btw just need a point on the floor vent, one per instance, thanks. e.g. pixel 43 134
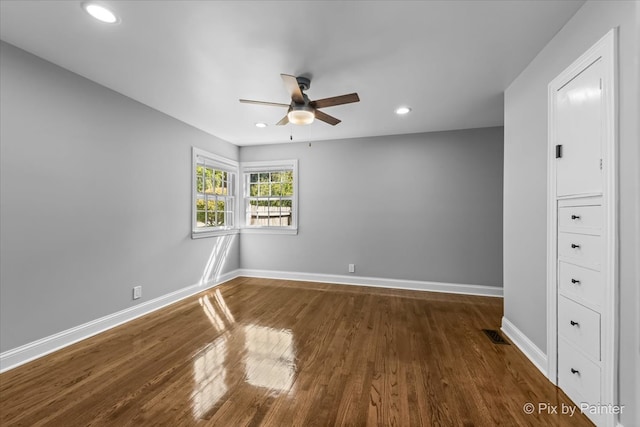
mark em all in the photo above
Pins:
pixel 495 336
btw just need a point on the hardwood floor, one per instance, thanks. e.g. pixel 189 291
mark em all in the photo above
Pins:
pixel 275 353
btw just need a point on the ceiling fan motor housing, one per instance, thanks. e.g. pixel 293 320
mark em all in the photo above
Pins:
pixel 303 83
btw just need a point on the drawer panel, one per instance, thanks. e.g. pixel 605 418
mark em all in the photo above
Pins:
pixel 583 249
pixel 581 218
pixel 580 326
pixel 580 386
pixel 580 283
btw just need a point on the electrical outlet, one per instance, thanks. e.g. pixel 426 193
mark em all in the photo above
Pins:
pixel 352 268
pixel 137 292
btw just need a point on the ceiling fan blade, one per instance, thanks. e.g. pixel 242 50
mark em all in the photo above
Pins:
pixel 335 100
pixel 283 121
pixel 272 104
pixel 327 118
pixel 291 83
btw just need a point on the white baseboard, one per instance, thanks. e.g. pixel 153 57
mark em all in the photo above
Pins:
pixel 533 353
pixel 416 285
pixel 20 355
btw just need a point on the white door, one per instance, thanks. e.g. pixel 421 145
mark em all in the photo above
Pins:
pixel 579 133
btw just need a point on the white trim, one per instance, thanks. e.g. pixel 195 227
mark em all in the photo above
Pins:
pixel 606 49
pixel 268 165
pixel 221 162
pixel 213 233
pixel 526 346
pixel 415 285
pixel 269 230
pixel 552 256
pixel 20 355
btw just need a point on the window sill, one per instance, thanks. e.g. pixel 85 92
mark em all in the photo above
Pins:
pixel 268 230
pixel 213 233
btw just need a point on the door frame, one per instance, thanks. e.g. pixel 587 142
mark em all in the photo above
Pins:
pixel 606 50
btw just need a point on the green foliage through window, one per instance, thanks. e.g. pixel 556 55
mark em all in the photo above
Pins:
pixel 270 197
pixel 214 204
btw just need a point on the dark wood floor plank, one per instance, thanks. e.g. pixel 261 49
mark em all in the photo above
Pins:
pixel 266 352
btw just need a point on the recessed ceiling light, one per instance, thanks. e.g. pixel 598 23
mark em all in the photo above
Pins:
pixel 261 125
pixel 403 110
pixel 100 13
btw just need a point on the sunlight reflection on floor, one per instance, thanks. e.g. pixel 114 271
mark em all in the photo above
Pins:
pixel 268 355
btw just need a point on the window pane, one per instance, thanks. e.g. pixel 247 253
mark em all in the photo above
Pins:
pixel 211 205
pixel 199 183
pixel 221 183
pixel 253 189
pixel 199 204
pixel 200 219
pixel 217 179
pixel 263 190
pixel 276 189
pixel 264 177
pixel 276 176
pixel 211 219
pixel 287 187
pixel 286 190
pixel 286 203
pixel 208 180
pixel 253 177
pixel 219 218
pixel 225 183
pixel 253 212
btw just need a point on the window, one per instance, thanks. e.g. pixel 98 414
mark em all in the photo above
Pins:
pixel 270 196
pixel 214 195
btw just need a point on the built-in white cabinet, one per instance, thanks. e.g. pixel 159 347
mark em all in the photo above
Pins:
pixel 582 282
pixel 580 288
pixel 579 134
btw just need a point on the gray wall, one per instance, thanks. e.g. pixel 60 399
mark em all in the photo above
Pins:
pixel 525 177
pixel 418 207
pixel 95 198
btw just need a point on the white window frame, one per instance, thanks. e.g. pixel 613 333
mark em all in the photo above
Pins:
pixel 269 166
pixel 219 163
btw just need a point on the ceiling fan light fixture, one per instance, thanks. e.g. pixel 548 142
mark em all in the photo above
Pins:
pixel 100 13
pixel 301 115
pixel 401 111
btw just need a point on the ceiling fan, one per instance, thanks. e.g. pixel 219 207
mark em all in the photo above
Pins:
pixel 302 111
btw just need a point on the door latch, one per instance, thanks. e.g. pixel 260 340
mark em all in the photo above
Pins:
pixel 558 151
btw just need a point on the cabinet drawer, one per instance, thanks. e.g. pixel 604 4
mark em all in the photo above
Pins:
pixel 583 249
pixel 580 326
pixel 580 218
pixel 578 377
pixel 580 283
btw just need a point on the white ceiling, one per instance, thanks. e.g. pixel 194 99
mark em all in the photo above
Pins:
pixel 450 61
